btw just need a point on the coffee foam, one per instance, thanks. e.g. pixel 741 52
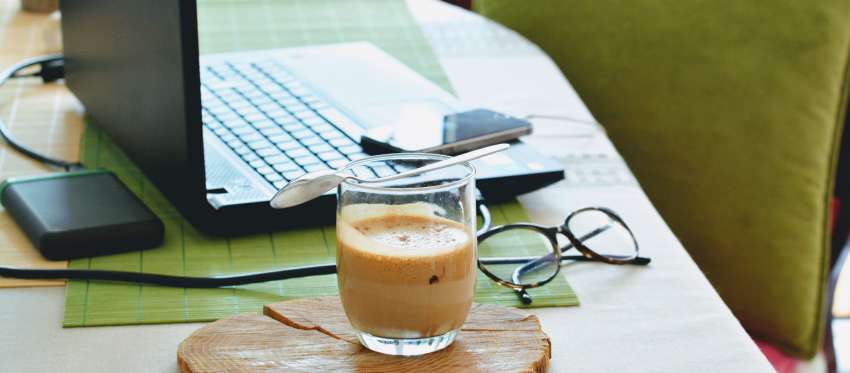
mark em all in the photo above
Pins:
pixel 404 235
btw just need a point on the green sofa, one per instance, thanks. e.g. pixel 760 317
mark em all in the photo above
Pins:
pixel 729 113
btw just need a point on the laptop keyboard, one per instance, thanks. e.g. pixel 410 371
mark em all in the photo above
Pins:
pixel 273 121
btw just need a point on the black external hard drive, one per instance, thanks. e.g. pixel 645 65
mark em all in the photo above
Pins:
pixel 80 214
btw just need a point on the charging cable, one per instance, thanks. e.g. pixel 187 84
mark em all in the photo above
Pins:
pixel 51 68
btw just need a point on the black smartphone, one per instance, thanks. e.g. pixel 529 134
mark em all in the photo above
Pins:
pixel 454 134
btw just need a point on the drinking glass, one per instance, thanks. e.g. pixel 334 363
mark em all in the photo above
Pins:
pixel 406 253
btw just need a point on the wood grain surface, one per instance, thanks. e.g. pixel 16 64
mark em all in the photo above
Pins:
pixel 313 334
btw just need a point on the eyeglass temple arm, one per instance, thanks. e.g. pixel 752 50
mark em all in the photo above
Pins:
pixel 484 213
pixel 534 264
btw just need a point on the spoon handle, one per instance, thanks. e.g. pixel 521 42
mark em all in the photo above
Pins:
pixel 465 157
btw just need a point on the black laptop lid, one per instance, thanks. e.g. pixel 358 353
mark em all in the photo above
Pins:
pixel 134 66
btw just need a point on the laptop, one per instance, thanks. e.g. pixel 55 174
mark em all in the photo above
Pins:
pixel 219 134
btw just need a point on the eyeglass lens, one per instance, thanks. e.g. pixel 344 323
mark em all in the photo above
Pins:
pixel 613 240
pixel 504 253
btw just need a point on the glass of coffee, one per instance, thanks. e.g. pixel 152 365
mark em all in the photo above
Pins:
pixel 406 253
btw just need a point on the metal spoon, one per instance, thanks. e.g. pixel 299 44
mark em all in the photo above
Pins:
pixel 314 184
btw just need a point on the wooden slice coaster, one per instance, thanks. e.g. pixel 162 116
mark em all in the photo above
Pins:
pixel 313 334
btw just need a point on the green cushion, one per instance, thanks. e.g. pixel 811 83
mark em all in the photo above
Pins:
pixel 729 113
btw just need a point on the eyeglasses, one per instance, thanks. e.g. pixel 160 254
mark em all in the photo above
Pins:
pixel 598 233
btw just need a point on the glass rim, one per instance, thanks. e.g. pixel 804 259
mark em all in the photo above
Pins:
pixel 470 174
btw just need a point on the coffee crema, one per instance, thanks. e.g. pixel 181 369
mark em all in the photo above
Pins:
pixel 405 276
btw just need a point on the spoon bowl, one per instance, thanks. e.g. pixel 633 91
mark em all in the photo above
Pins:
pixel 306 187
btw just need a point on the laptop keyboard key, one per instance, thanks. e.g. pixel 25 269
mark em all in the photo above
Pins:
pixel 269 152
pixel 256 145
pixel 242 150
pixel 306 160
pixel 323 127
pixel 338 163
pixel 288 145
pixel 297 107
pixel 341 141
pixel 315 167
pixel 231 119
pixel 363 172
pixel 227 137
pixel 306 115
pixel 267 105
pixel 330 156
pixel 311 141
pixel 357 156
pixel 332 135
pixel 250 157
pixel 265 123
pixel 383 171
pixel 266 170
pixel 320 147
pixel 299 152
pixel 292 175
pixel 243 130
pixel 279 136
pixel 273 177
pixel 251 137
pixel 315 122
pixel 350 149
pixel 283 118
pixel 302 134
pixel 235 122
pixel 274 131
pixel 286 167
pixel 255 117
pixel 276 159
pixel 279 184
pixel 247 111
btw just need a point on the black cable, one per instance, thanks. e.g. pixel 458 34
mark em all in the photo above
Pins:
pixel 51 68
pixel 168 280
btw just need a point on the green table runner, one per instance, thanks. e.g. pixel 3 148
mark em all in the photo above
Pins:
pixel 240 25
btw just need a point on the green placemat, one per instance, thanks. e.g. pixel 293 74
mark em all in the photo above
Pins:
pixel 186 251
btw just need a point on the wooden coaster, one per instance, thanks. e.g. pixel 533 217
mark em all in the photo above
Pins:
pixel 313 334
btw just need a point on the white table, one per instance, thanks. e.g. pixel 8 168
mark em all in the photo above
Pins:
pixel 665 317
